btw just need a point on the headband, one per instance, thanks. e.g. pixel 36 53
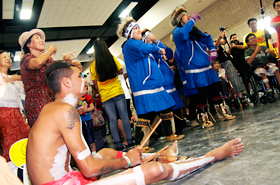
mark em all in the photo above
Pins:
pixel 179 17
pixel 144 37
pixel 129 29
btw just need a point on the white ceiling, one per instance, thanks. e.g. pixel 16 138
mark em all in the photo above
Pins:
pixel 67 46
pixel 68 13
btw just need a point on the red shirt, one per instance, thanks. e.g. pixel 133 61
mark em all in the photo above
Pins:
pixel 277 19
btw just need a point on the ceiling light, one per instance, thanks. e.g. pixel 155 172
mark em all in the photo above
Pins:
pixel 128 9
pixel 17 56
pixel 265 23
pixel 90 51
pixel 25 14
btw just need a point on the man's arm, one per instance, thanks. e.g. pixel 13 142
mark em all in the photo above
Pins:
pixel 271 52
pixel 275 24
pixel 70 129
pixel 252 57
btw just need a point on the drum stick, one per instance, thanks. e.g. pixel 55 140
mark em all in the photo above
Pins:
pixel 150 134
pixel 156 154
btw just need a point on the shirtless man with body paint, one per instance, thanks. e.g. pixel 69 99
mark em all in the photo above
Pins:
pixel 57 133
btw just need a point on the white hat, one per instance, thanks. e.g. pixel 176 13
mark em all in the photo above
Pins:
pixel 26 35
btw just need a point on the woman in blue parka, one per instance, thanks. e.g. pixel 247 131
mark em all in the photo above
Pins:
pixel 146 82
pixel 201 79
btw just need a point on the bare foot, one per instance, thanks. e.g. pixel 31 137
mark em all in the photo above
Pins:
pixel 172 150
pixel 229 149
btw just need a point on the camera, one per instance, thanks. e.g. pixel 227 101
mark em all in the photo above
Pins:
pixel 222 28
pixel 233 41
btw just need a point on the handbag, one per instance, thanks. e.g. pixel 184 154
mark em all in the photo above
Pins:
pixel 97 119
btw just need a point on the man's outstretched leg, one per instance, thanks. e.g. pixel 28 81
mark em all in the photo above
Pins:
pixel 154 171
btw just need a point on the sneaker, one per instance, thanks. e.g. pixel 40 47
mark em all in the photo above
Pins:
pixel 174 137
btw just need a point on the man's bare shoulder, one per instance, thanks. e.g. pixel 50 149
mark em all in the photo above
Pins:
pixel 60 111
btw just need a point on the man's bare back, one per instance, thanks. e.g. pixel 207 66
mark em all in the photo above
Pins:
pixel 41 160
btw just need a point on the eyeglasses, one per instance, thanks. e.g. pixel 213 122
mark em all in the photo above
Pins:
pixel 253 23
pixel 253 38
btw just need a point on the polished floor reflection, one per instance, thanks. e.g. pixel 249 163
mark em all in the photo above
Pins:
pixel 259 163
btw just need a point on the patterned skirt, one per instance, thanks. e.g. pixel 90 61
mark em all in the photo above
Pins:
pixel 13 127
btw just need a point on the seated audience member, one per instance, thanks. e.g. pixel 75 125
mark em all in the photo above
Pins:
pixel 260 35
pixel 58 127
pixel 258 58
pixel 223 80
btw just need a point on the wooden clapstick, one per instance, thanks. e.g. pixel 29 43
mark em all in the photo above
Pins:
pixel 156 154
pixel 150 134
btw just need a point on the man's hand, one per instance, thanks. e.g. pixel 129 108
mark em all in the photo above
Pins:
pixel 134 156
pixel 222 34
pixel 268 50
pixel 165 58
pixel 258 48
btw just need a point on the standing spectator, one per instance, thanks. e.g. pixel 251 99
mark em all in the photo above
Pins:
pixel 32 67
pixel 225 60
pixel 13 126
pixel 260 35
pixel 237 51
pixel 104 70
pixel 275 22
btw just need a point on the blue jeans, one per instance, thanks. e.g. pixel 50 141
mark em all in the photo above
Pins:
pixel 110 106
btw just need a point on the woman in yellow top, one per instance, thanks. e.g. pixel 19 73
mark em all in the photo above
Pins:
pixel 104 72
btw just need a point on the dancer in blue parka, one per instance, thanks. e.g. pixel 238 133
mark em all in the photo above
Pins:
pixel 201 79
pixel 146 82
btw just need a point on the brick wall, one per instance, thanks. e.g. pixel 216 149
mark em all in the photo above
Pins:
pixel 233 14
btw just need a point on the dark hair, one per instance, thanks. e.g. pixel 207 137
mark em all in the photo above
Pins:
pixel 55 72
pixel 275 2
pixel 144 31
pixel 249 35
pixel 252 19
pixel 232 35
pixel 104 62
pixel 2 51
pixel 195 34
pixel 25 48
